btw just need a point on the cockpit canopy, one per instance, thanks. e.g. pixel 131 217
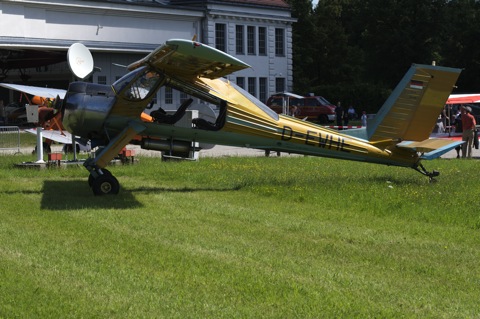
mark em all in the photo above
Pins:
pixel 139 84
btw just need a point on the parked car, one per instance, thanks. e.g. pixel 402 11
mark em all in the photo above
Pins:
pixel 313 108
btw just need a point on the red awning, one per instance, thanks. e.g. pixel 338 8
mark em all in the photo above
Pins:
pixel 463 98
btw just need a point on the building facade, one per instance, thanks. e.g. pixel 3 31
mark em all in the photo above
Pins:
pixel 119 32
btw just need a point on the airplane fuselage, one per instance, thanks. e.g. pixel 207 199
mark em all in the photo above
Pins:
pixel 248 123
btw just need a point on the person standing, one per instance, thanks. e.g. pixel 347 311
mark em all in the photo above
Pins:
pixel 364 119
pixel 345 119
pixel 352 115
pixel 294 110
pixel 2 112
pixel 457 124
pixel 469 126
pixel 339 114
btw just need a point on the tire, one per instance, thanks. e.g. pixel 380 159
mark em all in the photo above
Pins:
pixel 105 185
pixel 91 179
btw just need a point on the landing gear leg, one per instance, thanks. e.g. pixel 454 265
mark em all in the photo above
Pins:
pixel 431 175
pixel 101 180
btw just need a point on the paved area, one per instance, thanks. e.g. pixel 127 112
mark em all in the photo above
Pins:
pixel 219 151
pixel 224 151
pixel 453 154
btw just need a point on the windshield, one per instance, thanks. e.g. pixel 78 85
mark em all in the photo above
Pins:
pixel 138 84
pixel 255 101
pixel 323 100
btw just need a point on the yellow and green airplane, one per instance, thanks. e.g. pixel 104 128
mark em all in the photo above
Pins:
pixel 111 116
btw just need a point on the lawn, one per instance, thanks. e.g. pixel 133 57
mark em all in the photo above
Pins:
pixel 296 237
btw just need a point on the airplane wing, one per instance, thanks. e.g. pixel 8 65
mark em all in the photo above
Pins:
pixel 63 137
pixel 191 59
pixel 34 90
pixel 463 98
pixel 184 61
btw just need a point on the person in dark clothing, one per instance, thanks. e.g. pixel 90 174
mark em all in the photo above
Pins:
pixel 339 113
pixel 468 126
pixel 458 129
pixel 345 119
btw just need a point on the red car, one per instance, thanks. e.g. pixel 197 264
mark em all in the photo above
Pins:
pixel 313 108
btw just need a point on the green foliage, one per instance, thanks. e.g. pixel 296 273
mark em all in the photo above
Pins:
pixel 363 97
pixel 241 238
pixel 347 44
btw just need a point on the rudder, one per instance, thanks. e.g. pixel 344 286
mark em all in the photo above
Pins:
pixel 411 111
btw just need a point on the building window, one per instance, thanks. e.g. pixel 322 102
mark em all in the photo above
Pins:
pixel 279 42
pixel 262 95
pixel 220 36
pixel 239 39
pixel 252 86
pixel 251 40
pixel 262 41
pixel 183 97
pixel 168 95
pixel 241 82
pixel 279 85
pixel 102 79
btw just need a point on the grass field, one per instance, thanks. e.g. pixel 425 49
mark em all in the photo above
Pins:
pixel 295 237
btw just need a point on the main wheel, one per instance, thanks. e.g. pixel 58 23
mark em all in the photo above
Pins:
pixel 105 185
pixel 91 178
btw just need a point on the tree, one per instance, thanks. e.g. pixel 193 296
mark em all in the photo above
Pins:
pixel 399 33
pixel 460 43
pixel 303 47
pixel 356 51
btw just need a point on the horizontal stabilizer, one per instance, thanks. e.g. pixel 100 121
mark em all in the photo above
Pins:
pixel 431 148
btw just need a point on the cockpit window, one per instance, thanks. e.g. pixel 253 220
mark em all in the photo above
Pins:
pixel 138 84
pixel 255 101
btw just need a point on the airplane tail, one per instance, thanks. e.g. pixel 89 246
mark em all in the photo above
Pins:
pixel 411 111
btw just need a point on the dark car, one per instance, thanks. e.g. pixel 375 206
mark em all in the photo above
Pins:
pixel 313 108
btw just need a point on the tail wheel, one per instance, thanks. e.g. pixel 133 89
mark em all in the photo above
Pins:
pixel 105 185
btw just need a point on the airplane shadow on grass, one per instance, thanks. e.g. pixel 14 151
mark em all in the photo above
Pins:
pixel 74 194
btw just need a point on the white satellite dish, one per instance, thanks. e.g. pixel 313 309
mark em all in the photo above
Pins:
pixel 80 60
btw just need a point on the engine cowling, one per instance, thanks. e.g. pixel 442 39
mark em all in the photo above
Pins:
pixel 87 103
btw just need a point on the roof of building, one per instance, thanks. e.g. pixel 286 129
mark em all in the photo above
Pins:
pixel 270 3
pixel 263 3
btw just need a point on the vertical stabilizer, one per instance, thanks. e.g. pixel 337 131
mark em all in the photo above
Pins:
pixel 411 111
